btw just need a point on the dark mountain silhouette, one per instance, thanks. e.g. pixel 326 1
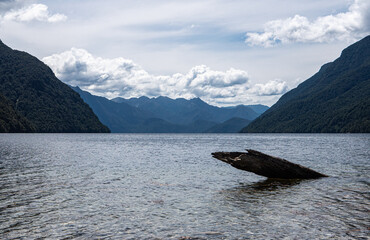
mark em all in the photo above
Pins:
pixel 334 100
pixel 32 92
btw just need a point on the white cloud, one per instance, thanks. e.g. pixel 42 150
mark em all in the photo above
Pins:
pixel 119 77
pixel 347 26
pixel 33 12
pixel 273 87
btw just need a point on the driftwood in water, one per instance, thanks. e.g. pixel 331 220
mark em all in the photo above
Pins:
pixel 265 165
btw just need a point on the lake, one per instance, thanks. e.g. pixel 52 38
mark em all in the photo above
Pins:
pixel 167 186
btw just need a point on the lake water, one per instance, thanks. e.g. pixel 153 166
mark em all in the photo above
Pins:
pixel 167 186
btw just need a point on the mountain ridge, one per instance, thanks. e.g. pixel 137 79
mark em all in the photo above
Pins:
pixel 185 111
pixel 163 114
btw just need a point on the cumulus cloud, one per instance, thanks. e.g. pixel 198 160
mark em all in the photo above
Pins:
pixel 33 12
pixel 121 77
pixel 272 87
pixel 347 26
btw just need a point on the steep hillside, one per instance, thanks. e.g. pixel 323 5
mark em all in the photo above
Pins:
pixel 37 95
pixel 334 100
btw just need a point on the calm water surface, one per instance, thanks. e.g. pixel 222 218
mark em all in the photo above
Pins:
pixel 167 186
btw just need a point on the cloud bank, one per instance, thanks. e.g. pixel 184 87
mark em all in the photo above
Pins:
pixel 33 12
pixel 347 26
pixel 119 77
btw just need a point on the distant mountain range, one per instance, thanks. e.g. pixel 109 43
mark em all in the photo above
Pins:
pixel 32 99
pixel 183 111
pixel 334 100
pixel 166 115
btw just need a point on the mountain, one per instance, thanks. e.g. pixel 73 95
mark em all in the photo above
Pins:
pixel 124 118
pixel 182 111
pixel 121 117
pixel 334 100
pixel 31 91
pixel 162 114
pixel 258 108
pixel 232 125
pixel 118 117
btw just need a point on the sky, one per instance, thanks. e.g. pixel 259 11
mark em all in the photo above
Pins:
pixel 227 52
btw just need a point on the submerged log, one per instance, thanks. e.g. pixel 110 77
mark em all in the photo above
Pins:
pixel 266 165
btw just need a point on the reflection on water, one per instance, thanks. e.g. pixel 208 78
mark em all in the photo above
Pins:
pixel 147 186
pixel 270 185
pixel 246 192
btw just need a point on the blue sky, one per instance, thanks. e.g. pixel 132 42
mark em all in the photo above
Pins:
pixel 225 52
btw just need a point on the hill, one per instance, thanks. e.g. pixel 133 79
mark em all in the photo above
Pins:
pixel 334 100
pixel 33 91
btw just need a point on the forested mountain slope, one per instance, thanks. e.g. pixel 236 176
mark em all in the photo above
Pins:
pixel 334 100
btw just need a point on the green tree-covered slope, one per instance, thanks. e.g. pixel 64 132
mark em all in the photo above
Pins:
pixel 38 96
pixel 334 100
pixel 11 120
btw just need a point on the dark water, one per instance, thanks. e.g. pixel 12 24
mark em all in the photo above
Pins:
pixel 167 186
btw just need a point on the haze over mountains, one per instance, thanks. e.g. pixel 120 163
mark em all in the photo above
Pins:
pixel 334 100
pixel 166 115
